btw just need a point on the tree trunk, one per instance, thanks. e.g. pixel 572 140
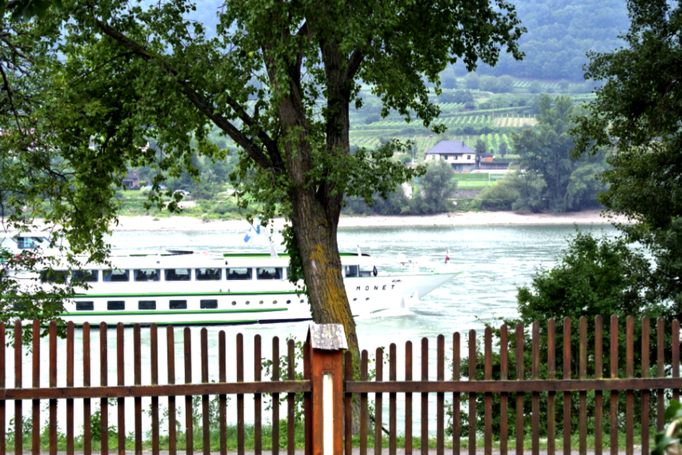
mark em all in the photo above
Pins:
pixel 316 238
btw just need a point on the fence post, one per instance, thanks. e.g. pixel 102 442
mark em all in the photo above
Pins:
pixel 325 344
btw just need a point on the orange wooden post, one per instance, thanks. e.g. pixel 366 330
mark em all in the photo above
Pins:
pixel 326 345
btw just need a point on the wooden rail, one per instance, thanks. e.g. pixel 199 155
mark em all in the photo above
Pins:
pixel 543 391
pixel 64 363
pixel 515 391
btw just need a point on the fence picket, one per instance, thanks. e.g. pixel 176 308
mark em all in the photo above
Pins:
pixel 645 393
pixel 363 405
pixel 291 403
pixel 582 397
pixel 660 372
pixel 222 398
pixel 535 374
pixel 567 395
pixel 440 397
pixel 488 375
pixel 631 386
pixel 630 373
pixel 504 375
pixel 425 398
pixel 154 367
pixel 240 396
pixel 170 349
pixel 598 374
pixel 52 334
pixel 104 381
pixel 206 424
pixel 3 418
pixel 551 396
pixel 392 402
pixel 70 370
pixel 378 400
pixel 137 367
pixel 519 395
pixel 676 356
pixel 472 395
pixel 35 383
pixel 613 418
pixel 408 400
pixel 120 372
pixel 275 396
pixel 257 397
pixel 348 403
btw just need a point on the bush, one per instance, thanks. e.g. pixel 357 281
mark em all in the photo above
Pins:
pixel 500 196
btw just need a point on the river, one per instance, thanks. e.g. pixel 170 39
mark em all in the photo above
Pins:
pixel 494 261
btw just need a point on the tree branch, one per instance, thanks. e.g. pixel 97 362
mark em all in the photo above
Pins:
pixel 273 163
pixel 354 62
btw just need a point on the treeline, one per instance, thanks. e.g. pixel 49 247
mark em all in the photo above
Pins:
pixel 560 33
pixel 429 194
pixel 548 177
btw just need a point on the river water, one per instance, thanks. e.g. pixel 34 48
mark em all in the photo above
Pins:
pixel 493 261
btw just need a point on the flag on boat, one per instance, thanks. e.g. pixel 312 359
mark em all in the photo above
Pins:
pixel 447 256
pixel 250 234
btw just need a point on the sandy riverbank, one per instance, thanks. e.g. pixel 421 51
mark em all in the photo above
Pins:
pixel 180 223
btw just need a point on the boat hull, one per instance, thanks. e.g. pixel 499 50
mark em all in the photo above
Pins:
pixel 270 302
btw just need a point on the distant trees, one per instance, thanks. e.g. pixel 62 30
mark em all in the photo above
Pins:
pixel 431 195
pixel 503 149
pixel 559 35
pixel 550 179
pixel 503 84
pixel 480 146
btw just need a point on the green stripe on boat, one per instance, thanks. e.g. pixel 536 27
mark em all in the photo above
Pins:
pixel 175 312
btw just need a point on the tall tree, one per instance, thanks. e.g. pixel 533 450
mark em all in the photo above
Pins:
pixel 637 111
pixel 278 79
pixel 546 152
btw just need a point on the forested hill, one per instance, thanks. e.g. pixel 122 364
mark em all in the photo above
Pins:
pixel 560 33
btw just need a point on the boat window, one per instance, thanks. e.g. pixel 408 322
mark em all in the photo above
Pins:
pixel 177 305
pixel 269 273
pixel 53 276
pixel 115 275
pixel 116 305
pixel 351 270
pixel 209 274
pixel 365 272
pixel 85 276
pixel 146 305
pixel 147 274
pixel 85 306
pixel 241 273
pixel 30 243
pixel 177 274
pixel 208 304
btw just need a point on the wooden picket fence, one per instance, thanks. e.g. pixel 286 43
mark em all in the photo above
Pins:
pixel 642 394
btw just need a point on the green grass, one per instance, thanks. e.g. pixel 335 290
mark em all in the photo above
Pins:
pixel 299 438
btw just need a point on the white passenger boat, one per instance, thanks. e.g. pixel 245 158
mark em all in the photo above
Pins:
pixel 201 288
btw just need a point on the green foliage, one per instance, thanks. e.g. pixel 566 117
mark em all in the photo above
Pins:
pixel 480 146
pixel 637 109
pixel 554 180
pixel 668 439
pixel 595 276
pixel 560 34
pixel 438 185
pixel 503 149
pixel 500 196
pixel 107 78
